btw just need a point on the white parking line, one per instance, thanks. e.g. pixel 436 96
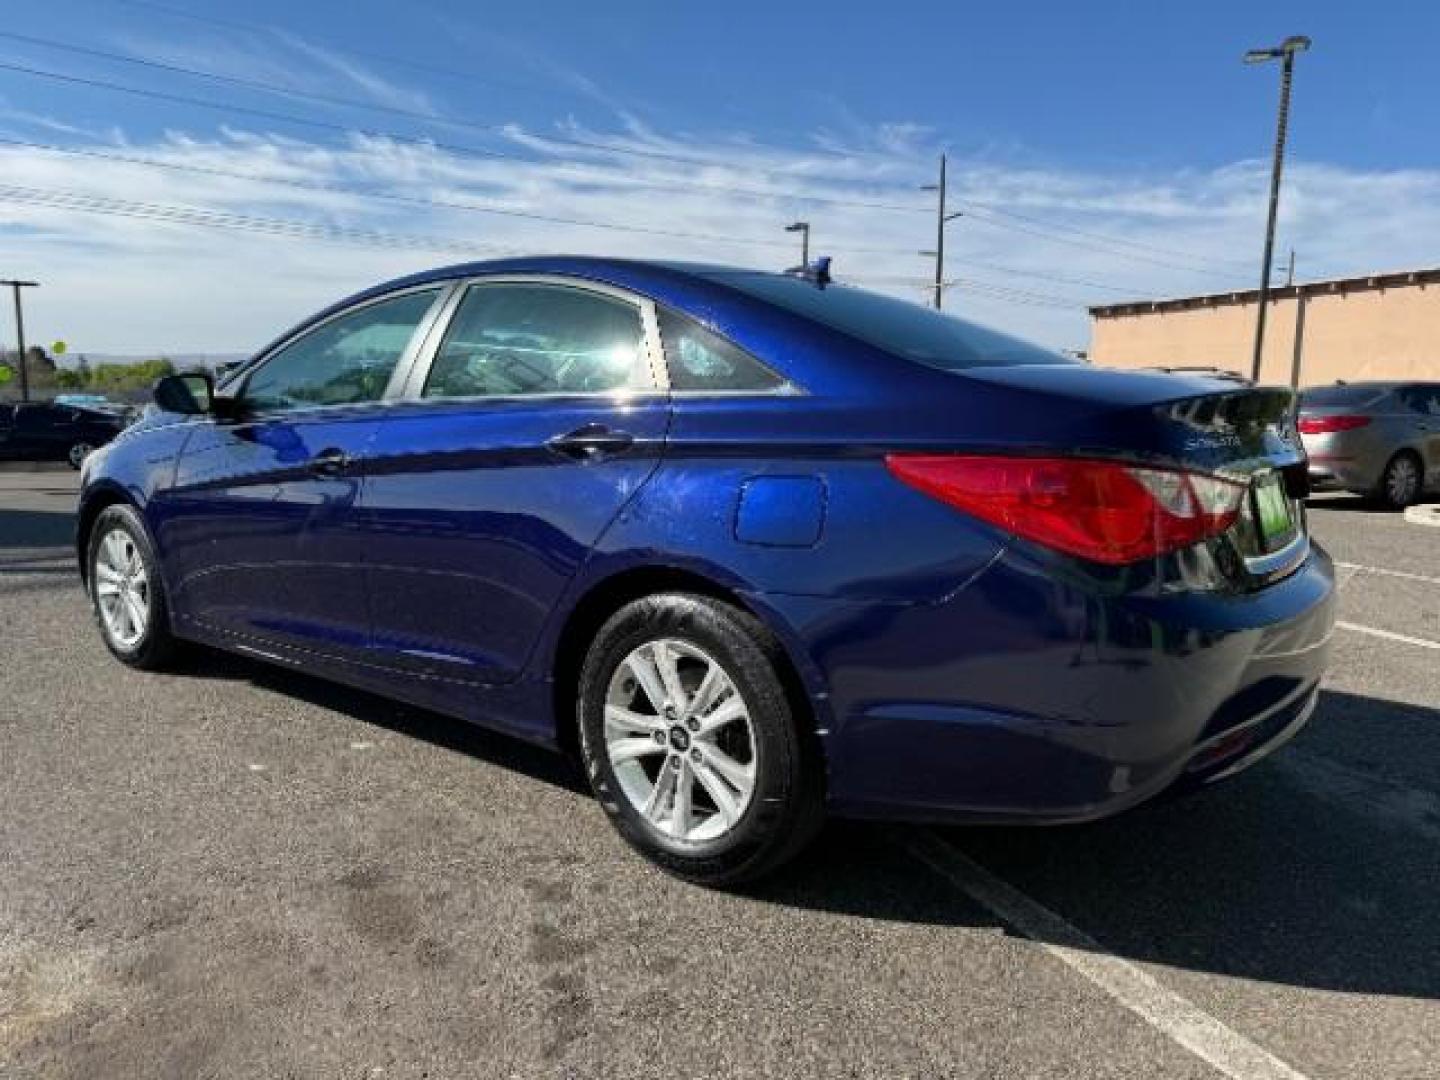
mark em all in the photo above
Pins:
pixel 1404 575
pixel 1176 1017
pixel 1388 635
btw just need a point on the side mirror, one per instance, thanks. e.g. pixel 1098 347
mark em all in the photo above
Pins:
pixel 190 394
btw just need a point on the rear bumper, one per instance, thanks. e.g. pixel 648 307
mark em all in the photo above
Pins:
pixel 1027 698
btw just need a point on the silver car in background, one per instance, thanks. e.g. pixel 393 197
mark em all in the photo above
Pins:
pixel 1378 439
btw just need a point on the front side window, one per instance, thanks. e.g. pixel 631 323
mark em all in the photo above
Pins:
pixel 516 339
pixel 346 361
pixel 701 360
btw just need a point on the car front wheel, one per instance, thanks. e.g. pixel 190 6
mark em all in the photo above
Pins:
pixel 126 592
pixel 691 743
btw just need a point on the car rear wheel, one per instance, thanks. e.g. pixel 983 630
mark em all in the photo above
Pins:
pixel 1400 482
pixel 78 452
pixel 126 592
pixel 691 743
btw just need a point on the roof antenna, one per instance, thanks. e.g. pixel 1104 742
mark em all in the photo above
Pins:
pixel 817 271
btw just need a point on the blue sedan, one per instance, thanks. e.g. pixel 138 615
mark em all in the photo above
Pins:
pixel 755 547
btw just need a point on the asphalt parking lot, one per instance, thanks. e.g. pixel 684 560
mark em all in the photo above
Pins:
pixel 241 871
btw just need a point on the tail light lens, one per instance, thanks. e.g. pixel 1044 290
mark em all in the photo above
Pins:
pixel 1101 510
pixel 1324 425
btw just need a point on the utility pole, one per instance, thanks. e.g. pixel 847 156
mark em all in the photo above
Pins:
pixel 1285 53
pixel 803 228
pixel 16 286
pixel 1290 270
pixel 941 220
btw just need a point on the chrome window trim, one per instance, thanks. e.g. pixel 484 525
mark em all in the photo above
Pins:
pixel 647 376
pixel 403 364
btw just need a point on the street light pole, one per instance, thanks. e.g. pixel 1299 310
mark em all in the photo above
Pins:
pixel 1285 53
pixel 16 286
pixel 941 220
pixel 803 228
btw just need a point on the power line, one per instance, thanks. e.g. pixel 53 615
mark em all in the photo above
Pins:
pixel 209 218
pixel 490 127
pixel 1108 238
pixel 585 172
pixel 415 200
pixel 978 215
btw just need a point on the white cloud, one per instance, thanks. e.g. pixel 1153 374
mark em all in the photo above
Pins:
pixel 121 284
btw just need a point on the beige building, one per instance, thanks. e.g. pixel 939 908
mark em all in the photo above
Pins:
pixel 1381 326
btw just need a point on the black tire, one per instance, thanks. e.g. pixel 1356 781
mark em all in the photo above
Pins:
pixel 1394 492
pixel 77 452
pixel 786 807
pixel 156 646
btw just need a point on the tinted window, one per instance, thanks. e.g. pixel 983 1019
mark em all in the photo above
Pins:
pixel 897 326
pixel 1330 397
pixel 538 339
pixel 701 360
pixel 346 361
pixel 1422 399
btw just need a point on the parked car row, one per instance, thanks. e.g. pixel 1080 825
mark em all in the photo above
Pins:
pixel 55 431
pixel 1378 439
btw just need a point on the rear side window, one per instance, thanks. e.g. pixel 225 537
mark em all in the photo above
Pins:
pixel 1339 397
pixel 520 340
pixel 1422 399
pixel 899 327
pixel 699 359
pixel 346 361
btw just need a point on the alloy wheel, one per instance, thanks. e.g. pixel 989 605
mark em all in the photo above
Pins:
pixel 1402 481
pixel 78 453
pixel 122 588
pixel 680 740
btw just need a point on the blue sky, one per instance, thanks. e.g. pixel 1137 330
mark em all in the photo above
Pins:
pixel 1099 151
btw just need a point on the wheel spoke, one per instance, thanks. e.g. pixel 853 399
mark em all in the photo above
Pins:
pixel 114 551
pixel 107 586
pixel 643 668
pixel 727 712
pixel 659 800
pixel 740 777
pixel 135 612
pixel 620 721
pixel 106 573
pixel 681 816
pixel 710 688
pixel 669 673
pixel 720 794
pixel 622 750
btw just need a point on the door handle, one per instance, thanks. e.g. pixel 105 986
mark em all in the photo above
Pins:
pixel 592 442
pixel 331 461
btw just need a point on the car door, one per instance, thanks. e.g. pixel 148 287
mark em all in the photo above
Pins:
pixel 258 530
pixel 540 414
pixel 1423 402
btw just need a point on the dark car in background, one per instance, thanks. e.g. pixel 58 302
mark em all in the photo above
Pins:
pixel 756 547
pixel 1377 439
pixel 45 431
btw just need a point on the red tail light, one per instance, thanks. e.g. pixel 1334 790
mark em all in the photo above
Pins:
pixel 1324 425
pixel 1100 510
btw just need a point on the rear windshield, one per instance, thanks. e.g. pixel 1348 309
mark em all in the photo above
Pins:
pixel 1327 397
pixel 897 326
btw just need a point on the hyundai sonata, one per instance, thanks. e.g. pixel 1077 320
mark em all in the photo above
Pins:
pixel 756 547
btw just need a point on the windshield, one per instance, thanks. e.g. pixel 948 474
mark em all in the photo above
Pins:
pixel 899 327
pixel 1329 397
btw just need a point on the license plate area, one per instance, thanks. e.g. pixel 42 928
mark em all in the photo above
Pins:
pixel 1273 512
